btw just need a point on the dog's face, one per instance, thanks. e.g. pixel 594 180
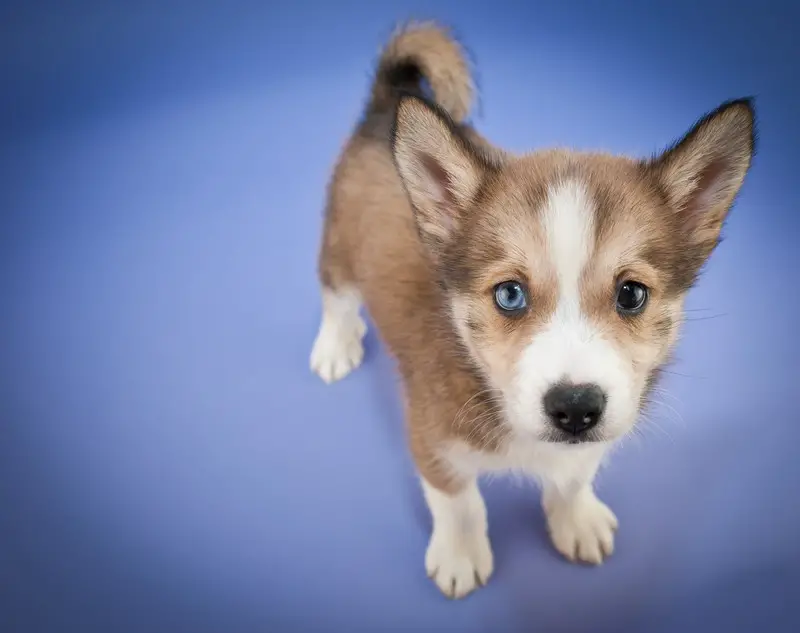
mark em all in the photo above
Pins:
pixel 565 272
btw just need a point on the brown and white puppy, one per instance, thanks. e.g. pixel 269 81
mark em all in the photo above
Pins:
pixel 529 300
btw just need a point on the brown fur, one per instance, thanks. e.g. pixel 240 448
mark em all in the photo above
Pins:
pixel 425 272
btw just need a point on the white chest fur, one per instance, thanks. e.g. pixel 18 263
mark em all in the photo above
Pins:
pixel 558 464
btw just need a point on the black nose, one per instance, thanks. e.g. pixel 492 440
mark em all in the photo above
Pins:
pixel 574 408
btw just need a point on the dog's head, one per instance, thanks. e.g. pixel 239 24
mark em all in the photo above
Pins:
pixel 565 273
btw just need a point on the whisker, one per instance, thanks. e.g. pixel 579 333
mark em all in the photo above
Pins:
pixel 682 375
pixel 663 392
pixel 493 409
pixel 705 318
pixel 480 422
pixel 463 406
pixel 651 423
pixel 669 407
pixel 463 411
pixel 495 430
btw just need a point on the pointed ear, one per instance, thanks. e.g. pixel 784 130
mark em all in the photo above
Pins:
pixel 439 168
pixel 703 172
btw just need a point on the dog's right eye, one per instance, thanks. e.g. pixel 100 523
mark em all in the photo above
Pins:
pixel 510 297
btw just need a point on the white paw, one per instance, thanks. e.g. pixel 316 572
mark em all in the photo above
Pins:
pixel 582 530
pixel 338 349
pixel 459 565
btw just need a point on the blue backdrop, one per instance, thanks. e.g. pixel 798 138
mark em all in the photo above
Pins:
pixel 168 463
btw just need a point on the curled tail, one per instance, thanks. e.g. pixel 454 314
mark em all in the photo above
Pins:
pixel 424 50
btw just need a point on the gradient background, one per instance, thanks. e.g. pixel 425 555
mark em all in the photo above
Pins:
pixel 167 460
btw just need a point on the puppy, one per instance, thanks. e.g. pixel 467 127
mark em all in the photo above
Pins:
pixel 529 300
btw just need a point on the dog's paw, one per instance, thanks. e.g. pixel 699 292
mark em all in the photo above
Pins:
pixel 459 566
pixel 583 529
pixel 338 349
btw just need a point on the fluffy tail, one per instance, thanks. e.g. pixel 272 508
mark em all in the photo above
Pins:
pixel 424 50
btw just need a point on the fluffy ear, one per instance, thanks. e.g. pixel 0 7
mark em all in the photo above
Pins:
pixel 702 173
pixel 440 170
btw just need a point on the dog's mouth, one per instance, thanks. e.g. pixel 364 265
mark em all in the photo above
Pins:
pixel 568 439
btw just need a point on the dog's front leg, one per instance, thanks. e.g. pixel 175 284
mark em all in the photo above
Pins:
pixel 581 526
pixel 459 557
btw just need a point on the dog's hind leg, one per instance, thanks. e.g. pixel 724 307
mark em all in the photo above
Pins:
pixel 338 348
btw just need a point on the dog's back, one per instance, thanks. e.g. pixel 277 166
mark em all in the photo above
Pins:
pixel 370 242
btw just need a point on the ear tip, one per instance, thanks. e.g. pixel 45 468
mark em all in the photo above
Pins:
pixel 407 102
pixel 406 98
pixel 746 108
pixel 742 111
pixel 739 107
pixel 751 108
pixel 411 105
pixel 403 107
pixel 748 102
pixel 743 106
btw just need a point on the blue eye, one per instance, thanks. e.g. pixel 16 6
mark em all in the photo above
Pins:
pixel 510 296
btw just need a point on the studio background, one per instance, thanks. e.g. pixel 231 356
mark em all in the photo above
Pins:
pixel 167 460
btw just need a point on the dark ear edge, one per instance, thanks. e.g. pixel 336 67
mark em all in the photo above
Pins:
pixel 748 103
pixel 705 233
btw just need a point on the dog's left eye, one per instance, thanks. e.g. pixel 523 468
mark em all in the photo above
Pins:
pixel 510 297
pixel 631 297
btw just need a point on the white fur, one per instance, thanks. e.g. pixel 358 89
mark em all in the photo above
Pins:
pixel 459 311
pixel 338 348
pixel 459 557
pixel 563 466
pixel 570 347
pixel 580 525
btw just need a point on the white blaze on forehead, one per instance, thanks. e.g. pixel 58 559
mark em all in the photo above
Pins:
pixel 568 219
pixel 570 347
